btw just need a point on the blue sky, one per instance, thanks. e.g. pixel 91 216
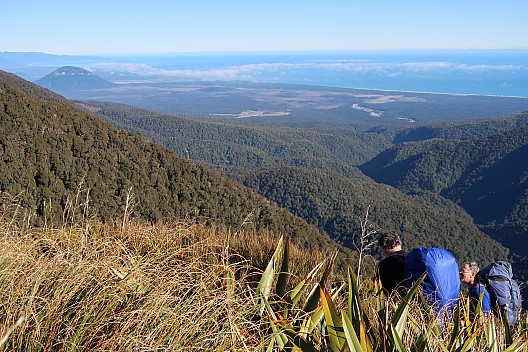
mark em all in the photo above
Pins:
pixel 164 26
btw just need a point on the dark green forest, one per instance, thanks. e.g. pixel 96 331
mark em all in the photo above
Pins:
pixel 338 204
pixel 436 165
pixel 308 175
pixel 227 145
pixel 53 155
pixel 461 131
pixel 486 176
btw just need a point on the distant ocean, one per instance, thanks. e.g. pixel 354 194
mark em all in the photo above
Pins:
pixel 480 72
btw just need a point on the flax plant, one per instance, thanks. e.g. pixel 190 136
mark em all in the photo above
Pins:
pixel 369 321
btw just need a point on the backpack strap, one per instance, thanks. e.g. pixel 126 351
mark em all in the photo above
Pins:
pixel 497 278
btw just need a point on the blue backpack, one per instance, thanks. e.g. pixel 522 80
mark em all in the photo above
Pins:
pixel 441 285
pixel 503 289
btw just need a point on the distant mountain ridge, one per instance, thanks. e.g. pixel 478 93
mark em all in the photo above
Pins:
pixel 69 79
pixel 18 59
pixel 463 131
pixel 224 146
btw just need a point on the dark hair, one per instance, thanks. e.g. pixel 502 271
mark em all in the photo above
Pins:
pixel 389 240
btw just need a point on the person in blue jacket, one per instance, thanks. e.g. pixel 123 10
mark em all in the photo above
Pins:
pixel 468 275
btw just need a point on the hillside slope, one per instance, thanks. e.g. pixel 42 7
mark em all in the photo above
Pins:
pixel 487 177
pixel 224 145
pixel 338 204
pixel 49 152
pixel 467 130
pixel 297 168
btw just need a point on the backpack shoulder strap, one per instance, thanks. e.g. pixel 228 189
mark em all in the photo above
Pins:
pixel 497 278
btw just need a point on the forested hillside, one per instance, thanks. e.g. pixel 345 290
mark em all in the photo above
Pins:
pixel 53 157
pixel 228 145
pixel 337 205
pixel 467 130
pixel 486 176
pixel 56 152
pixel 318 181
pixel 35 91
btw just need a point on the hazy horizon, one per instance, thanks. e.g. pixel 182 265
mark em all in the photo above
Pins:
pixel 455 47
pixel 206 26
pixel 475 72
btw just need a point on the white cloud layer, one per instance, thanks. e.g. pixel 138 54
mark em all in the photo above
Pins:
pixel 147 70
pixel 251 71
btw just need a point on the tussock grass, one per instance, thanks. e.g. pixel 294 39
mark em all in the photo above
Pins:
pixel 184 286
pixel 172 287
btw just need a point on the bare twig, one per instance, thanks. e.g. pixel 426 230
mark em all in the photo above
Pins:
pixel 364 241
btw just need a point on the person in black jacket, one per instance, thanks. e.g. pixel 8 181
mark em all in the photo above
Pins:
pixel 391 268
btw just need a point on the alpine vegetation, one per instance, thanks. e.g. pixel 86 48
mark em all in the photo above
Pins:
pixel 180 286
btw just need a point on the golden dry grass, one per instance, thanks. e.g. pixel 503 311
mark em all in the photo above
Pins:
pixel 173 286
pixel 176 286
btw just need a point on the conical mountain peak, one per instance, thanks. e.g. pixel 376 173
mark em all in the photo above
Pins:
pixel 68 80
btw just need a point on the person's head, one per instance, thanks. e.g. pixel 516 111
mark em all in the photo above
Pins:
pixel 468 272
pixel 390 243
